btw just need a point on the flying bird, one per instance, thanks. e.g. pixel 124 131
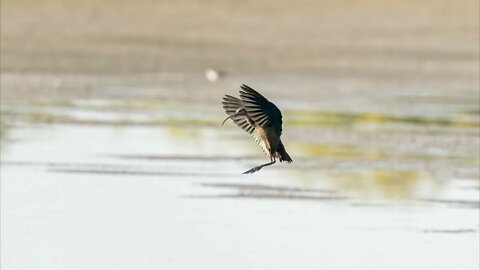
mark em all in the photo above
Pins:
pixel 261 119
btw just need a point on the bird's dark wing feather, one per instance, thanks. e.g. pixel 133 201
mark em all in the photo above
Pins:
pixel 231 105
pixel 260 110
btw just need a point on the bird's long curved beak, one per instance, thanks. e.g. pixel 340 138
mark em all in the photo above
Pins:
pixel 237 112
pixel 230 116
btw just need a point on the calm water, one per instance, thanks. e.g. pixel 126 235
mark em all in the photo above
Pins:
pixel 161 188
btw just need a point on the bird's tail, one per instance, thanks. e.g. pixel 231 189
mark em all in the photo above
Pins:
pixel 282 153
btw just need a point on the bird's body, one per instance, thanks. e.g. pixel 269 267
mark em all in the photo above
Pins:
pixel 261 119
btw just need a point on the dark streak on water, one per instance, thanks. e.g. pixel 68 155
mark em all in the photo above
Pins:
pixel 454 231
pixel 258 187
pixel 185 158
pixel 455 203
pixel 115 169
pixel 268 196
pixel 142 173
pixel 366 204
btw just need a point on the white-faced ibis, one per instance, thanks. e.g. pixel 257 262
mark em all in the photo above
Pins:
pixel 261 119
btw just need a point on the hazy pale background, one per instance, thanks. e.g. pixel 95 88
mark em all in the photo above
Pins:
pixel 400 43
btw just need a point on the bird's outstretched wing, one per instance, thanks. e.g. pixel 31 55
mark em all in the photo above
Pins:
pixel 235 107
pixel 259 109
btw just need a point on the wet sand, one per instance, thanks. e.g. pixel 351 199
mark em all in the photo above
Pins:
pixel 112 153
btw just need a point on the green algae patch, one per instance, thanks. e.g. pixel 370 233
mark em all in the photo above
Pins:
pixel 64 119
pixel 393 184
pixel 319 150
pixel 351 151
pixel 323 118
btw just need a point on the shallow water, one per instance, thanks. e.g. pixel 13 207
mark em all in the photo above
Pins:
pixel 140 185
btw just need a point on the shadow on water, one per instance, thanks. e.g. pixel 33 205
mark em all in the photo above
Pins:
pixel 184 157
pixel 259 187
pixel 111 169
pixel 138 173
pixel 271 192
pixel 454 203
pixel 454 231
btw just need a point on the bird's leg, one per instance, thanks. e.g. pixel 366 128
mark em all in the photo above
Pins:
pixel 255 169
